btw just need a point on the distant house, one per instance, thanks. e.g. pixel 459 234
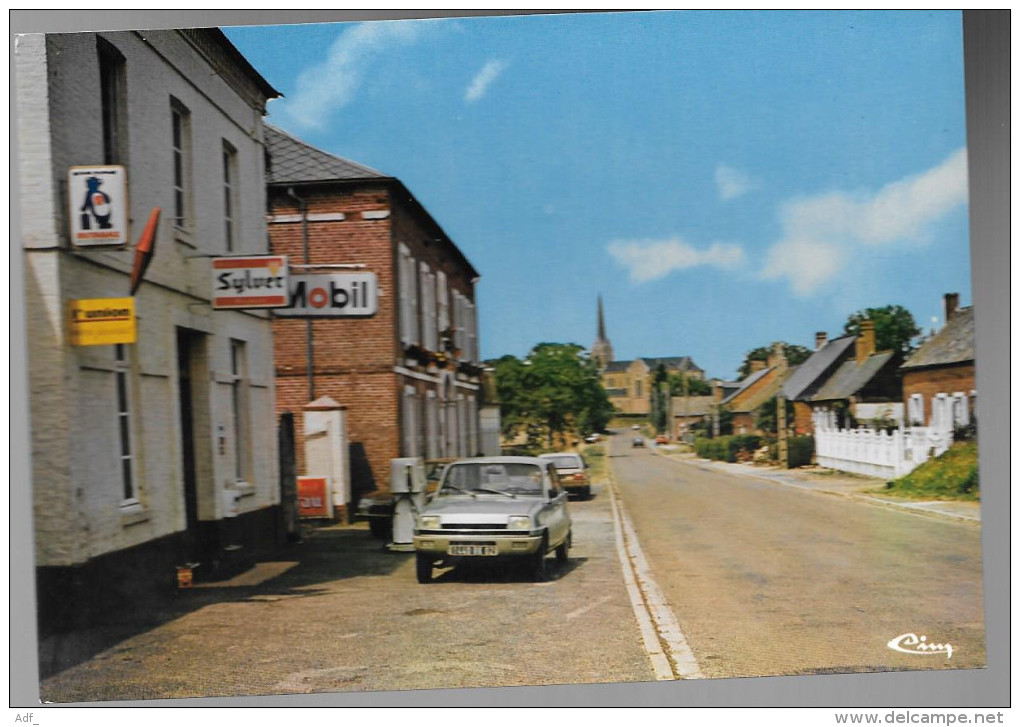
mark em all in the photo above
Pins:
pixel 765 381
pixel 843 381
pixel 938 379
pixel 690 410
pixel 628 383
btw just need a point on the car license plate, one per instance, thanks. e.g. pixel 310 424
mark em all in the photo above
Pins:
pixel 471 550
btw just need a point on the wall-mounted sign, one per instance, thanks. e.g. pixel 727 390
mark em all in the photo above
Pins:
pixel 102 321
pixel 312 497
pixel 332 295
pixel 250 282
pixel 97 205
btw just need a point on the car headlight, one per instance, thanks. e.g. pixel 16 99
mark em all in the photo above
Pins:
pixel 518 522
pixel 429 522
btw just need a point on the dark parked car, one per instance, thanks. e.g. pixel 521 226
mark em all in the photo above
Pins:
pixel 638 442
pixel 377 506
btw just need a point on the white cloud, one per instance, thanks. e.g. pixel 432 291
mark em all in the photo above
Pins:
pixel 326 88
pixel 654 259
pixel 732 183
pixel 821 234
pixel 483 79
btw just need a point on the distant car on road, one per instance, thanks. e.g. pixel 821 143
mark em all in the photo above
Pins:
pixel 509 508
pixel 662 439
pixel 592 438
pixel 572 470
pixel 636 427
pixel 638 442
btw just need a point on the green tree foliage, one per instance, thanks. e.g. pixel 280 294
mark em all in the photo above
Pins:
pixel 555 390
pixel 795 355
pixel 684 385
pixel 895 327
pixel 766 416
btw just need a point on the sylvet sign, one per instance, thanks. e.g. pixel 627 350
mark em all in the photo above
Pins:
pixel 102 321
pixel 332 295
pixel 250 282
pixel 97 205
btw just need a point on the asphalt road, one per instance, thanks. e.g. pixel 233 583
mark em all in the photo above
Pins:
pixel 771 580
pixel 340 613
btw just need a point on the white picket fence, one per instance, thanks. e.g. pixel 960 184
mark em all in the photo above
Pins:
pixel 879 453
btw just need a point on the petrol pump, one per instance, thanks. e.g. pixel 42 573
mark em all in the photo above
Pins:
pixel 407 485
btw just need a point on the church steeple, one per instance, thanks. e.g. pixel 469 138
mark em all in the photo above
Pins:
pixel 602 349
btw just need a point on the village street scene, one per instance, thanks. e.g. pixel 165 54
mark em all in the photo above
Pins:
pixel 497 352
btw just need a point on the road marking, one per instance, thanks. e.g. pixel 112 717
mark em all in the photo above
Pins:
pixel 665 643
pixel 585 609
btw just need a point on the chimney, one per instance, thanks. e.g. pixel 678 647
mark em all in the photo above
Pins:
pixel 865 341
pixel 716 390
pixel 950 305
pixel 757 365
pixel 821 338
pixel 776 356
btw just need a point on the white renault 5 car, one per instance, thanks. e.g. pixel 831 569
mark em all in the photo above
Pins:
pixel 494 507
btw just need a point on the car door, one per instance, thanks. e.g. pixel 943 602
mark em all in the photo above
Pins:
pixel 556 510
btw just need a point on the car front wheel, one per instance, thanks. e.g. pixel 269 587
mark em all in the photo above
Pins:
pixel 539 571
pixel 562 549
pixel 423 567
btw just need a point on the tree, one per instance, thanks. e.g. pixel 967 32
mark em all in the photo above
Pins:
pixel 795 355
pixel 555 390
pixel 686 385
pixel 895 327
pixel 766 419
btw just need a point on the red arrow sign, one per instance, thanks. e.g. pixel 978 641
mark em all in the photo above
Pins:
pixel 144 249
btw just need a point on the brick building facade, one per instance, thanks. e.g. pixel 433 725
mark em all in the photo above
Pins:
pixel 938 379
pixel 408 375
pixel 160 452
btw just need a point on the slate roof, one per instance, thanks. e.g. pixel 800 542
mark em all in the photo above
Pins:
pixel 692 405
pixel 954 344
pixel 851 377
pixel 818 363
pixel 744 383
pixel 616 367
pixel 672 363
pixel 293 161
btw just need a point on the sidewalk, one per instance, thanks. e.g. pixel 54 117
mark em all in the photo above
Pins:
pixel 833 482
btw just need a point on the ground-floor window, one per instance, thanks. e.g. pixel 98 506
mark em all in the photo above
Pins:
pixel 122 373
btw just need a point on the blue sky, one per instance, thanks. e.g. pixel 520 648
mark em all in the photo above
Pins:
pixel 723 179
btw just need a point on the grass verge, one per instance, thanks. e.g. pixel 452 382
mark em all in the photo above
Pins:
pixel 952 475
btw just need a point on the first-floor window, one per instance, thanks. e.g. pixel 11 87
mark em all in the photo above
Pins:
pixel 122 373
pixel 409 423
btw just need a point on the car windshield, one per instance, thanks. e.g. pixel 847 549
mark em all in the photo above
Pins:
pixel 565 461
pixel 518 478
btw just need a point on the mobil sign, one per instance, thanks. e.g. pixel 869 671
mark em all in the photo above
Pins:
pixel 332 295
pixel 250 282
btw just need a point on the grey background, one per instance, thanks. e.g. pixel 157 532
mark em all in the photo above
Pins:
pixel 986 51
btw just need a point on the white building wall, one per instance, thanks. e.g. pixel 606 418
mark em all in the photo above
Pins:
pixel 77 486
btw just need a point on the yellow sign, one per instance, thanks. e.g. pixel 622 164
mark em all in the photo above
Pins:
pixel 102 321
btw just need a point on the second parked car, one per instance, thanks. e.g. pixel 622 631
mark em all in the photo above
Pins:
pixel 573 472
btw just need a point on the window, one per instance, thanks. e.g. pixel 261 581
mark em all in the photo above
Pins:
pixel 181 123
pixel 122 371
pixel 239 408
pixel 428 303
pixel 111 92
pixel 407 272
pixel 637 388
pixel 230 196
pixel 470 325
pixel 409 424
pixel 915 409
pixel 431 426
pixel 442 301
